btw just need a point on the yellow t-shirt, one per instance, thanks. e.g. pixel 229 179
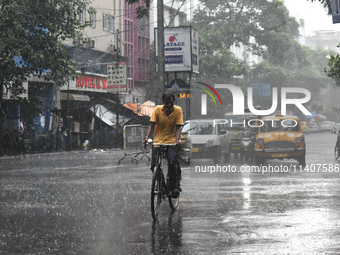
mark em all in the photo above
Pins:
pixel 165 130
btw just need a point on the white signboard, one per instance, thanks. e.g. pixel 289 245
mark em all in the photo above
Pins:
pixel 194 51
pixel 116 77
pixel 180 49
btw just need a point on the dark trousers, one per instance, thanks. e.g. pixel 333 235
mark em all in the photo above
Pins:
pixel 173 165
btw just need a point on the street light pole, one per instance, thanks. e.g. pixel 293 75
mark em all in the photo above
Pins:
pixel 160 46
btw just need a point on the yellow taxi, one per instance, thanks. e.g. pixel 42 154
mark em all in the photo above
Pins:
pixel 304 127
pixel 279 137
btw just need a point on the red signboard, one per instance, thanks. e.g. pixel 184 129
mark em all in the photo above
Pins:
pixel 91 83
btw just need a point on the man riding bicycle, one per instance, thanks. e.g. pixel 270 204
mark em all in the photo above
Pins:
pixel 166 121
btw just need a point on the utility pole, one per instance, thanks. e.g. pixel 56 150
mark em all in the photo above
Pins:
pixel 160 46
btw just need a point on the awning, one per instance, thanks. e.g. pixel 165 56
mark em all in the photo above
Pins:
pixel 108 117
pixel 75 97
pixel 149 103
pixel 116 107
pixel 146 109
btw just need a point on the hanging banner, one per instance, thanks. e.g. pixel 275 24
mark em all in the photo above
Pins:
pixel 116 77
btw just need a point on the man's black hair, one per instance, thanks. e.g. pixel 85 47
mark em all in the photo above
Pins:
pixel 168 95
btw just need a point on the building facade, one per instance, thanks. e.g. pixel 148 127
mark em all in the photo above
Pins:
pixel 117 40
pixel 324 39
pixel 176 13
pixel 137 50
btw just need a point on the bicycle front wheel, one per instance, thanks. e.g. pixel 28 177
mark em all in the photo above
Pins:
pixel 156 192
pixel 173 202
pixel 336 151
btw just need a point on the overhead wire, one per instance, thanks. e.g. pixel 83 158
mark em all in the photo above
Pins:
pixel 150 23
pixel 138 28
pixel 134 12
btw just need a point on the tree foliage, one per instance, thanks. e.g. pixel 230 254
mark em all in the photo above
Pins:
pixel 327 5
pixel 300 66
pixel 260 26
pixel 264 28
pixel 333 66
pixel 143 9
pixel 32 36
pixel 234 22
pixel 333 69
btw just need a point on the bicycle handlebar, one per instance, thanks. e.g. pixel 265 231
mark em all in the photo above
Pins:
pixel 164 144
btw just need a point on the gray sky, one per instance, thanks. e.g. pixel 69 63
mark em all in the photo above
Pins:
pixel 314 14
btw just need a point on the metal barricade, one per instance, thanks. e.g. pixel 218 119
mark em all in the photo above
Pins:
pixel 133 142
pixel 147 152
pixel 145 130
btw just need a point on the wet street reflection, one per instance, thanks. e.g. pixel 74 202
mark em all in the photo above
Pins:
pixel 80 203
pixel 166 235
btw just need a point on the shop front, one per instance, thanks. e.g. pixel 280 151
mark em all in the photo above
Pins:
pixel 88 115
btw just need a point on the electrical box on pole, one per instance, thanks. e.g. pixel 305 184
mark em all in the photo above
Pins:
pixel 336 11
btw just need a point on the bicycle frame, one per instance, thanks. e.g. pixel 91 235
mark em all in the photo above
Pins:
pixel 159 187
pixel 161 154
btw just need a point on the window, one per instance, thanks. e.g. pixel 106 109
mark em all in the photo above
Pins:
pixel 280 125
pixel 182 19
pixel 128 26
pixel 172 14
pixel 93 18
pixel 82 17
pixel 199 128
pixel 104 22
pixel 108 23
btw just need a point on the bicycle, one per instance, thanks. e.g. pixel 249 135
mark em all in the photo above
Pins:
pixel 337 146
pixel 159 187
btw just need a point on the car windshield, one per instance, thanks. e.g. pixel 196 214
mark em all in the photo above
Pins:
pixel 280 125
pixel 199 128
pixel 238 121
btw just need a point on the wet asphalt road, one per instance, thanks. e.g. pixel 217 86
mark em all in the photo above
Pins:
pixel 85 203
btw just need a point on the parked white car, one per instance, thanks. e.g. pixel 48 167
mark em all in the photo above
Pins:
pixel 327 126
pixel 210 139
pixel 313 127
pixel 337 127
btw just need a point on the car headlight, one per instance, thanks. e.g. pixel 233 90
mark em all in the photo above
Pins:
pixel 260 141
pixel 298 140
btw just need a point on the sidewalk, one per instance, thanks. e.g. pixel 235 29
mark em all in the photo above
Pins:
pixel 117 152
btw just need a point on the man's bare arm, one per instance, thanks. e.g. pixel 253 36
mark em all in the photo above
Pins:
pixel 178 135
pixel 150 131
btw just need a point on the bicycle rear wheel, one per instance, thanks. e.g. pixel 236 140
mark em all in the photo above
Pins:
pixel 156 192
